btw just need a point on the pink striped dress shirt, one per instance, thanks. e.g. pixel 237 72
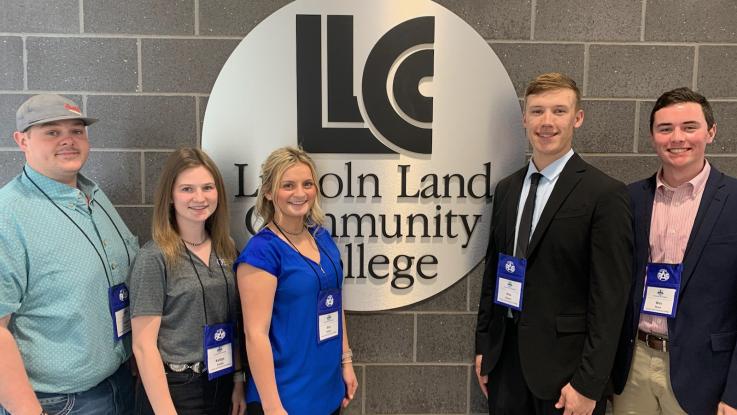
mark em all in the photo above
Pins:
pixel 674 212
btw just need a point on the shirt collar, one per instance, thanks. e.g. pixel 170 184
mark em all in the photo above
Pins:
pixel 695 185
pixel 551 171
pixel 63 193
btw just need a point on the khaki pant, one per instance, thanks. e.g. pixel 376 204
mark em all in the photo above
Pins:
pixel 648 390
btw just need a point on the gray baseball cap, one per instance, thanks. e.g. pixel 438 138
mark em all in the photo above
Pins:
pixel 44 108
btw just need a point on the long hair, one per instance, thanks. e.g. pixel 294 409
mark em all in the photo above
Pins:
pixel 164 229
pixel 272 171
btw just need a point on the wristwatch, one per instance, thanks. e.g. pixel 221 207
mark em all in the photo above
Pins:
pixel 239 376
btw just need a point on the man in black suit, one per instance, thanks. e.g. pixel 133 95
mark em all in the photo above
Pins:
pixel 677 353
pixel 547 335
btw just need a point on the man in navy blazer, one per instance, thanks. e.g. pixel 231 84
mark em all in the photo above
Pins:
pixel 677 351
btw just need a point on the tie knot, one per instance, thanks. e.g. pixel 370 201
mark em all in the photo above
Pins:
pixel 535 178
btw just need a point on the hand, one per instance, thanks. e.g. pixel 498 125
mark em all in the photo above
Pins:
pixel 351 383
pixel 483 380
pixel 725 409
pixel 238 400
pixel 574 403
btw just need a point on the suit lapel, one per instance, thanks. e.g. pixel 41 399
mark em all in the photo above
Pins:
pixel 643 215
pixel 569 178
pixel 710 207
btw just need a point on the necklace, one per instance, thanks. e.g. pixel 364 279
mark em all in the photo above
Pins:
pixel 301 231
pixel 196 243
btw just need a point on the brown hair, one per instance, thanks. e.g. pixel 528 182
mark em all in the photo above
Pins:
pixel 164 228
pixel 550 81
pixel 272 171
pixel 680 96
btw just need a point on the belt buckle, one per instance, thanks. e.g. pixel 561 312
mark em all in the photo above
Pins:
pixel 663 342
pixel 197 367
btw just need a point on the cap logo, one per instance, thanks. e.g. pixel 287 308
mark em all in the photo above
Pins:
pixel 73 108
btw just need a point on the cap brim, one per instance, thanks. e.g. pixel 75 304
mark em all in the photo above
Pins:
pixel 85 120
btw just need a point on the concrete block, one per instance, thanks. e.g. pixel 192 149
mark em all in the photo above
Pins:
pixel 525 61
pixel 143 121
pixel 494 19
pixel 12 162
pixel 416 389
pixel 40 16
pixel 716 71
pixel 153 164
pixel 371 343
pixel 162 17
pixel 84 64
pixel 691 21
pixel 626 169
pixel 608 127
pixel 11 62
pixel 183 65
pixel 607 20
pixel 446 338
pixel 235 17
pixel 638 71
pixel 117 174
pixel 138 220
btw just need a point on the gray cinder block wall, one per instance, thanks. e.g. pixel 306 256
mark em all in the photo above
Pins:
pixel 146 67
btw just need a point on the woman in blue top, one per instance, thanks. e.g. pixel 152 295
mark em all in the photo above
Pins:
pixel 290 278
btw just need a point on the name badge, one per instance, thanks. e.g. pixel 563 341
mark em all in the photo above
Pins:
pixel 662 286
pixel 119 310
pixel 510 281
pixel 218 345
pixel 328 315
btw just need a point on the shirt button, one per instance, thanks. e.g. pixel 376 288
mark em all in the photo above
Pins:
pixel 113 265
pixel 104 242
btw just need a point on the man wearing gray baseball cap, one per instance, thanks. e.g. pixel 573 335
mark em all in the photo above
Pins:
pixel 64 259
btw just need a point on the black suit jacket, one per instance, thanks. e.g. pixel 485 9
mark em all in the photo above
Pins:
pixel 576 286
pixel 703 362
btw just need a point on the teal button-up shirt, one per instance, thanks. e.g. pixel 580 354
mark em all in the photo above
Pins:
pixel 55 285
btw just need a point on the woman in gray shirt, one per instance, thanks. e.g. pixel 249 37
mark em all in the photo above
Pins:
pixel 184 303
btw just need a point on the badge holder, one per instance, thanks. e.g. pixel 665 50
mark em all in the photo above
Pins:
pixel 119 310
pixel 510 281
pixel 218 344
pixel 328 315
pixel 662 287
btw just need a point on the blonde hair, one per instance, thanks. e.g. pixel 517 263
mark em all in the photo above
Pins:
pixel 272 171
pixel 164 229
pixel 550 81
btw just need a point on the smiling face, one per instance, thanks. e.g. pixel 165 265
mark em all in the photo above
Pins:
pixel 57 149
pixel 550 118
pixel 195 196
pixel 294 196
pixel 679 136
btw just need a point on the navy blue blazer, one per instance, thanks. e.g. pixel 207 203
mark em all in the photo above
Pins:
pixel 703 362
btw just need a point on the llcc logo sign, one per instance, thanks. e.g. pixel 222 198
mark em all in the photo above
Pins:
pixel 401 114
pixel 410 117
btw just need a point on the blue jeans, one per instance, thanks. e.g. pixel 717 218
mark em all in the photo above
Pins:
pixel 112 396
